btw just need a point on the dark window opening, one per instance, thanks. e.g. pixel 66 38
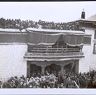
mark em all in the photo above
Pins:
pixel 87 40
pixel 94 49
pixel 95 35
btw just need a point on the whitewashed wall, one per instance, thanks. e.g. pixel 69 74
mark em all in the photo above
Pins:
pixel 12 61
pixel 89 61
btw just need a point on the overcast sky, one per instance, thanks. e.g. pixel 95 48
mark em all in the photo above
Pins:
pixel 47 11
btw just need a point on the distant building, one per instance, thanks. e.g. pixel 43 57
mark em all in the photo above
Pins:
pixel 39 50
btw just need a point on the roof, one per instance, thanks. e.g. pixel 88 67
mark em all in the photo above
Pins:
pixel 9 30
pixel 92 18
pixel 53 30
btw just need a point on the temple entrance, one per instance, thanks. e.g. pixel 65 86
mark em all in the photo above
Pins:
pixel 35 70
pixel 53 68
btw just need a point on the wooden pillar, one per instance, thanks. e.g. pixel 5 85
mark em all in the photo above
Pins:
pixel 28 69
pixel 43 69
pixel 62 68
pixel 77 67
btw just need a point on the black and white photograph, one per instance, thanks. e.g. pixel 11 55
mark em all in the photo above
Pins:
pixel 48 45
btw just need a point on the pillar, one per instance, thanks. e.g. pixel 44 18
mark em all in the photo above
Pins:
pixel 77 67
pixel 28 69
pixel 62 68
pixel 43 69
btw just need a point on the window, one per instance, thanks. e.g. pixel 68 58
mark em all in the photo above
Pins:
pixel 87 40
pixel 94 49
pixel 95 35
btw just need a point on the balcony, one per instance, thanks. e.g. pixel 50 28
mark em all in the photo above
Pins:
pixel 53 53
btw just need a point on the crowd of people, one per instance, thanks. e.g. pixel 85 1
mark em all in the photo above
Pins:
pixel 22 24
pixel 62 80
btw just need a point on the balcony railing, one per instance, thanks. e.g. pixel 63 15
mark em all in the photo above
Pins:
pixel 53 53
pixel 28 54
pixel 54 50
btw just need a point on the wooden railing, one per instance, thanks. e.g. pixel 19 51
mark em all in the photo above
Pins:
pixel 29 54
pixel 53 50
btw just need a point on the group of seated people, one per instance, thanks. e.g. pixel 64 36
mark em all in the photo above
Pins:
pixel 65 80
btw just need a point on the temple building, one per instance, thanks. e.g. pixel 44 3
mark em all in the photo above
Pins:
pixel 38 50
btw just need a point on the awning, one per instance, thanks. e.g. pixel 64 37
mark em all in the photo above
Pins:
pixel 44 38
pixel 38 38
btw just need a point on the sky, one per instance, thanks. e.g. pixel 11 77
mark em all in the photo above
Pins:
pixel 47 11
